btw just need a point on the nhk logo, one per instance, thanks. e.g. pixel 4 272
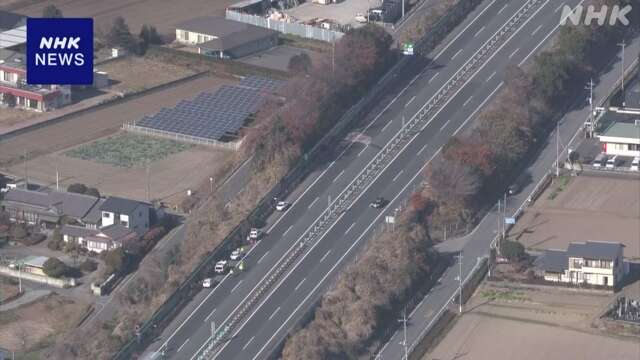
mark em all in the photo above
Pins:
pixel 617 14
pixel 60 51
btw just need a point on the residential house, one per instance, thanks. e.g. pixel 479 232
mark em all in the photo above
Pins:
pixel 15 92
pixel 131 214
pixel 224 38
pixel 33 265
pixel 13 30
pixel 592 262
pixel 48 208
pixel 621 138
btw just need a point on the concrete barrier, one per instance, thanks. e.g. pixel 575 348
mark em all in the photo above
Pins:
pixel 47 280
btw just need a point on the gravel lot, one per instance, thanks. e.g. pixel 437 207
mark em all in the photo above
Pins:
pixel 590 208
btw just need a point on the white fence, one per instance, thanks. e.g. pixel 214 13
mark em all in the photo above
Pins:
pixel 303 30
pixel 132 127
pixel 47 280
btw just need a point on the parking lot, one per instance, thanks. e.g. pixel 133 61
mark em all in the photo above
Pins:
pixel 343 13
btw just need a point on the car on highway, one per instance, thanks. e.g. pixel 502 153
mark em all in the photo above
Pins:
pixel 236 254
pixel 255 233
pixel 282 205
pixel 206 283
pixel 221 267
pixel 378 203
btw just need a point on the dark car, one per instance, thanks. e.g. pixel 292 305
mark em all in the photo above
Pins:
pixel 378 203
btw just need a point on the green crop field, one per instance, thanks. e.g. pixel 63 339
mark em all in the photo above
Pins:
pixel 127 150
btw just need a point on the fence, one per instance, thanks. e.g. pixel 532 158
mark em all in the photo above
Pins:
pixel 132 127
pixel 302 30
pixel 47 280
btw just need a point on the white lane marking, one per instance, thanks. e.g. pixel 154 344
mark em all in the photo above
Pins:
pixel 385 127
pixel 478 108
pixel 289 228
pixel 300 283
pixel 208 316
pixel 513 53
pixel 361 151
pixel 349 229
pixel 445 125
pixel 314 201
pixel 464 30
pixel 397 176
pixel 235 287
pixel 558 8
pixel 456 54
pixel 273 313
pixel 248 342
pixel 183 344
pixel 341 258
pixel 491 76
pixel 325 255
pixel 433 77
pixel 410 101
pixel 336 178
pixel 422 149
pixel 468 100
pixel 262 257
pixel 479 31
pixel 418 306
pixel 502 8
pixel 537 29
pixel 545 39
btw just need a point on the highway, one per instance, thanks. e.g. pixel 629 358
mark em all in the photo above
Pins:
pixel 477 243
pixel 292 296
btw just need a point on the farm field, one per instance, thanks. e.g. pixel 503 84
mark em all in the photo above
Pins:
pixel 589 208
pixel 532 324
pixel 134 73
pixel 99 123
pixel 163 14
pixel 124 173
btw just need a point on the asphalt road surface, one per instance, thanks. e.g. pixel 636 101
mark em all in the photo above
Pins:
pixel 269 323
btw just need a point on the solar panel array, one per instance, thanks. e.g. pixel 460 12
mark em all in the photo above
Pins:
pixel 213 115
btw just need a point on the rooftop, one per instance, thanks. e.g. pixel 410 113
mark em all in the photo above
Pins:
pixel 35 261
pixel 9 20
pixel 63 203
pixel 554 261
pixel 12 59
pixel 228 33
pixel 627 130
pixel 594 250
pixel 120 205
pixel 13 29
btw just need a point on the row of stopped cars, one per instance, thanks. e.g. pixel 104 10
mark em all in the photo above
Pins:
pixel 225 266
pixel 604 161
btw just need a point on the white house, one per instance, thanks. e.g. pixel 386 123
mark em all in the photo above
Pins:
pixel 591 262
pixel 131 214
pixel 621 138
pixel 98 240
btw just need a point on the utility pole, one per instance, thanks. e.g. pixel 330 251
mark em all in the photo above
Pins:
pixel 459 256
pixel 404 341
pixel 557 149
pixel 57 178
pixel 211 185
pixel 148 170
pixel 592 119
pixel 504 217
pixel 26 175
pixel 622 45
pixel 333 56
pixel 403 8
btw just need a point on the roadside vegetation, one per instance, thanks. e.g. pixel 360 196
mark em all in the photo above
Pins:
pixel 473 170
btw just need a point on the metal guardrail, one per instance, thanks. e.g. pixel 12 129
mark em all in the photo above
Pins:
pixel 368 175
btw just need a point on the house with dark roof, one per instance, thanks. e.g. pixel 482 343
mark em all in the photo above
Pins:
pixel 38 207
pixel 224 38
pixel 592 262
pixel 98 240
pixel 131 214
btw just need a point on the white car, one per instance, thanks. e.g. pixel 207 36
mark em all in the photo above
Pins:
pixel 236 254
pixel 255 233
pixel 206 283
pixel 635 164
pixel 282 205
pixel 221 267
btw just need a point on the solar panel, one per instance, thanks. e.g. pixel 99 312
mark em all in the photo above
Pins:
pixel 213 115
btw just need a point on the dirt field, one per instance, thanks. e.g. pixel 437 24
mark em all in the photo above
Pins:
pixel 34 326
pixel 10 117
pixel 590 208
pixel 133 73
pixel 163 14
pixel 532 324
pixel 167 176
pixel 97 124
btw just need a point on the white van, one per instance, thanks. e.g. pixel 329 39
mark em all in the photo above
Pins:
pixel 599 161
pixel 612 162
pixel 635 164
pixel 221 267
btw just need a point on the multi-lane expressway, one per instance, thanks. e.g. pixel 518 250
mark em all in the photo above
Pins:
pixel 283 305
